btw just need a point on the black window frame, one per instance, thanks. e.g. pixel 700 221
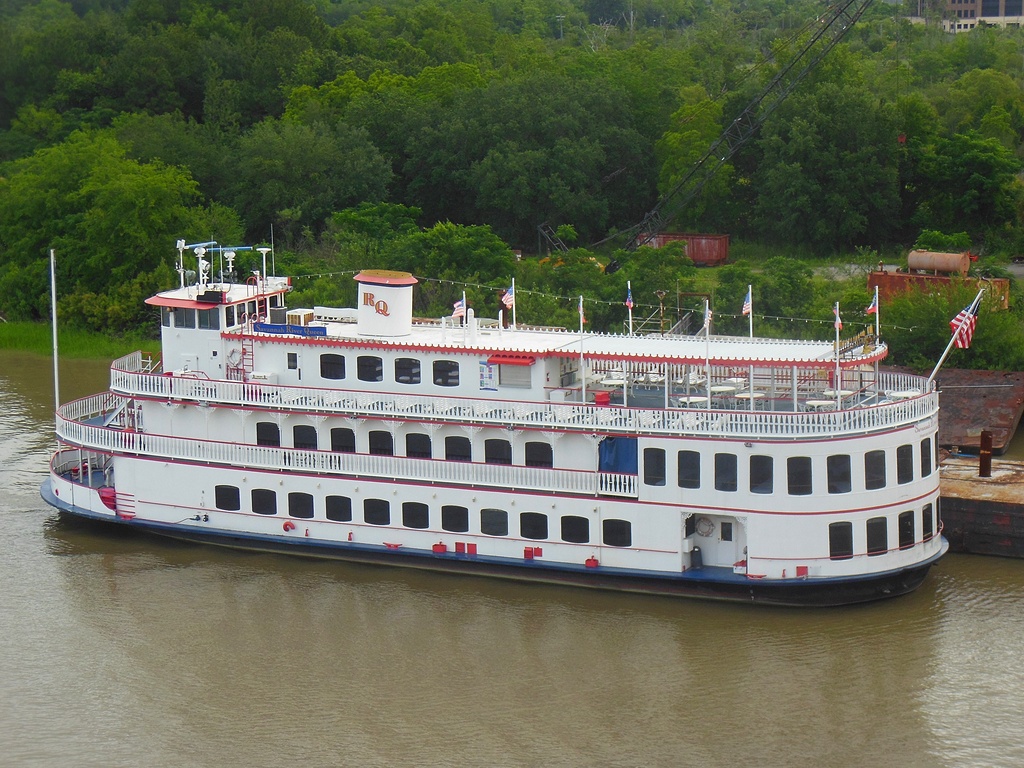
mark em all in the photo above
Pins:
pixel 418 445
pixel 840 540
pixel 839 473
pixel 264 501
pixel 539 454
pixel 227 497
pixel 377 512
pixel 906 535
pixel 453 448
pixel 688 469
pixel 304 437
pixel 268 433
pixel 799 476
pixel 445 373
pixel 380 442
pixel 654 466
pixel 498 450
pixel 533 526
pixel 726 472
pixel 338 508
pixel 877 536
pixel 415 514
pixel 343 440
pixel 493 521
pixel 575 529
pixel 762 474
pixel 616 533
pixel 875 470
pixel 332 366
pixel 904 464
pixel 300 505
pixel 370 368
pixel 455 518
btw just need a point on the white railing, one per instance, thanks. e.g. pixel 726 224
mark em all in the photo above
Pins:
pixel 107 439
pixel 127 380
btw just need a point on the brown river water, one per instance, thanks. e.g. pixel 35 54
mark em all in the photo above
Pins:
pixel 130 650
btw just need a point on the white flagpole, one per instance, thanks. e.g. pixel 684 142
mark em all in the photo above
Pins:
pixel 959 331
pixel 514 302
pixel 707 353
pixel 837 383
pixel 750 317
pixel 465 319
pixel 583 373
pixel 53 323
pixel 878 331
pixel 629 293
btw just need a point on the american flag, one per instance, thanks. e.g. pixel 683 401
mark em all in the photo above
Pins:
pixel 707 317
pixel 583 318
pixel 509 298
pixel 839 321
pixel 460 308
pixel 963 327
pixel 748 304
pixel 873 308
pixel 629 298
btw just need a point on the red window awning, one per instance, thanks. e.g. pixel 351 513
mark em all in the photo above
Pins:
pixel 512 359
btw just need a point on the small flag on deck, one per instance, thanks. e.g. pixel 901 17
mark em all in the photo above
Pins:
pixel 839 320
pixel 629 298
pixel 873 307
pixel 509 298
pixel 963 327
pixel 460 308
pixel 583 318
pixel 748 304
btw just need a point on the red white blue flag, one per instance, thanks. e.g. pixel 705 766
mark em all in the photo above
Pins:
pixel 963 327
pixel 509 298
pixel 583 318
pixel 873 307
pixel 460 308
pixel 629 298
pixel 748 304
pixel 839 321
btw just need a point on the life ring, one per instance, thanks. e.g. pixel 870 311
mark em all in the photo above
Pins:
pixel 234 357
pixel 705 526
pixel 288 526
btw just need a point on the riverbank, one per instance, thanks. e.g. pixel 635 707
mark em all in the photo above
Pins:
pixel 73 342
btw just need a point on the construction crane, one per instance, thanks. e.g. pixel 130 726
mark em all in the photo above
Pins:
pixel 826 31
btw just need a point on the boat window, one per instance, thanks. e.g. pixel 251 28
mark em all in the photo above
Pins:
pixel 369 368
pixel 227 497
pixel 417 446
pixel 332 366
pixel 382 443
pixel 654 466
pixel 926 457
pixel 377 511
pixel 539 455
pixel 840 541
pixel 407 370
pixel 689 469
pixel 415 514
pixel 533 525
pixel 229 316
pixel 514 375
pixel 839 474
pixel 575 529
pixel 617 533
pixel 184 318
pixel 268 433
pixel 497 451
pixel 690 525
pixel 454 518
pixel 209 319
pixel 874 470
pixel 725 531
pixel 762 474
pixel 905 464
pixel 617 454
pixel 264 502
pixel 339 508
pixel 905 527
pixel 300 505
pixel 799 471
pixel 927 523
pixel 293 361
pixel 165 316
pixel 725 471
pixel 446 373
pixel 494 522
pixel 457 449
pixel 878 536
pixel 304 437
pixel 251 308
pixel 343 440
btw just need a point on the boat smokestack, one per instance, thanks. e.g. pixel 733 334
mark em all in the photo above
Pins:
pixel 384 303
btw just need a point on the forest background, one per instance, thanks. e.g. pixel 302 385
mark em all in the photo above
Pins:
pixel 436 135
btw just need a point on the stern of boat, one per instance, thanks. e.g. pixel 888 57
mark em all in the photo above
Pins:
pixel 82 483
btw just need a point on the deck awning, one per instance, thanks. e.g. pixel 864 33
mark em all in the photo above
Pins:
pixel 512 359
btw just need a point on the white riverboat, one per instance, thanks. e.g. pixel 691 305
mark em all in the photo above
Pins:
pixel 777 471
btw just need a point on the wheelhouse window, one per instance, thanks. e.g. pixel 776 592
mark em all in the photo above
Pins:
pixel 497 451
pixel 407 370
pixel 229 316
pixel 209 319
pixel 905 464
pixel 226 497
pixel 926 457
pixel 369 368
pixel 454 518
pixel 377 511
pixel 300 505
pixel 905 528
pixel 839 474
pixel 575 529
pixel 654 466
pixel 874 470
pixel 304 437
pixel 417 445
pixel 268 433
pixel 878 536
pixel 184 318
pixel 339 508
pixel 446 373
pixel 166 313
pixel 494 522
pixel 343 440
pixel 457 448
pixel 725 472
pixel 533 525
pixel 332 366
pixel 617 533
pixel 539 455
pixel 762 474
pixel 927 523
pixel 381 443
pixel 689 469
pixel 514 375
pixel 799 475
pixel 264 502
pixel 415 514
pixel 840 541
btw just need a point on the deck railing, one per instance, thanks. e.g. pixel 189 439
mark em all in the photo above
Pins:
pixel 870 412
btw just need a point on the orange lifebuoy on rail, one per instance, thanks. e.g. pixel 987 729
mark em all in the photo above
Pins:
pixel 288 526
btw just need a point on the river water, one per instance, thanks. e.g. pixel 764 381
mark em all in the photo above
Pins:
pixel 129 650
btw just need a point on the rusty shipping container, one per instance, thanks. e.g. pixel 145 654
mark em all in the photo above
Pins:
pixel 703 250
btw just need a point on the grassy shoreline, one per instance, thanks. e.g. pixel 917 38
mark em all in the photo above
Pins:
pixel 73 342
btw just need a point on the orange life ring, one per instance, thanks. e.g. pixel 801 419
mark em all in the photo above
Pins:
pixel 288 526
